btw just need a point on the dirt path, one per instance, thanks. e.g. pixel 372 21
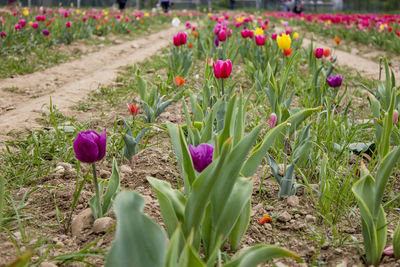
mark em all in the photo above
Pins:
pixel 22 99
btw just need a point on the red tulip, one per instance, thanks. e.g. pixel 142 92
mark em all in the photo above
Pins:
pixel 222 69
pixel 319 52
pixel 3 34
pixel 68 24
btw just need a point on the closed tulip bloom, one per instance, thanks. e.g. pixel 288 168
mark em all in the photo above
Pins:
pixel 260 40
pixel 22 22
pixel 90 146
pixel 68 24
pixel 180 39
pixel 35 25
pixel 3 34
pixel 222 69
pixel 17 27
pixel 46 32
pixel 216 42
pixel 337 40
pixel 201 155
pixel 288 52
pixel 295 35
pixel 179 81
pixel 327 52
pixel 395 116
pixel 284 41
pixel 222 36
pixel 134 109
pixel 245 33
pixel 334 81
pixel 319 52
pixel 274 36
pixel 272 120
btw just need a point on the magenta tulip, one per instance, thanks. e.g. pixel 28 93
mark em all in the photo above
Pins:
pixel 201 155
pixel 222 69
pixel 46 32
pixel 17 27
pixel 319 52
pixel 22 22
pixel 274 36
pixel 90 146
pixel 222 36
pixel 3 34
pixel 68 24
pixel 260 40
pixel 180 39
pixel 35 25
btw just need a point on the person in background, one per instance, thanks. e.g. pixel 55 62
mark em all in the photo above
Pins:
pixel 121 4
pixel 165 4
pixel 298 6
pixel 232 4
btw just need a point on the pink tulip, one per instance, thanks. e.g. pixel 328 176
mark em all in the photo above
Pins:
pixel 84 19
pixel 395 116
pixel 17 27
pixel 180 39
pixel 22 22
pixel 35 25
pixel 68 24
pixel 272 120
pixel 273 36
pixel 3 34
pixel 260 40
pixel 222 36
pixel 222 69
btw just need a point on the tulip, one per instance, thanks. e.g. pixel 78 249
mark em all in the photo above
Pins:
pixel 319 52
pixel 284 41
pixel 327 52
pixel 180 39
pixel 395 116
pixel 22 22
pixel 3 34
pixel 35 25
pixel 188 25
pixel 272 120
pixel 179 81
pixel 90 146
pixel 274 36
pixel 201 155
pixel 334 81
pixel 68 24
pixel 222 36
pixel 288 52
pixel 258 31
pixel 216 42
pixel 84 19
pixel 260 40
pixel 337 40
pixel 17 27
pixel 46 32
pixel 134 109
pixel 222 69
pixel 245 33
pixel 295 35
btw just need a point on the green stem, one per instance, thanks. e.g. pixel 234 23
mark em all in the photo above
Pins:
pixel 222 80
pixel 96 186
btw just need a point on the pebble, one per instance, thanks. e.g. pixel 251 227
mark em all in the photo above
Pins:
pixel 47 264
pixel 292 201
pixel 338 251
pixel 105 174
pixel 101 225
pixel 269 208
pixel 325 246
pixel 59 170
pixel 82 221
pixel 125 168
pixel 310 218
pixel 284 217
pixel 280 264
pixel 256 208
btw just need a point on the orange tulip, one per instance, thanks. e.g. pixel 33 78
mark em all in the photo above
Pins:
pixel 190 45
pixel 195 34
pixel 327 52
pixel 337 40
pixel 287 52
pixel 264 219
pixel 179 81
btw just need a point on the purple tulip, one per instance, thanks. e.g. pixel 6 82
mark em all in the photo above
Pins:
pixel 90 146
pixel 216 42
pixel 46 32
pixel 202 156
pixel 272 120
pixel 334 81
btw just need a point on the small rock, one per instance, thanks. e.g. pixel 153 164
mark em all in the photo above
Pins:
pixel 82 221
pixel 101 225
pixel 268 208
pixel 284 217
pixel 292 201
pixel 47 264
pixel 310 218
pixel 256 208
pixel 105 174
pixel 59 170
pixel 135 45
pixel 296 216
pixel 117 41
pixel 268 226
pixel 338 251
pixel 17 235
pixel 125 168
pixel 280 264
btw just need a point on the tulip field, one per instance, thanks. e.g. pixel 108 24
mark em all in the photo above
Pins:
pixel 223 138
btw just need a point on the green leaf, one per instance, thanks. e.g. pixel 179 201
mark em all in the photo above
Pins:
pixel 139 241
pixel 396 241
pixel 112 188
pixel 172 204
pixel 240 227
pixel 258 254
pixel 142 86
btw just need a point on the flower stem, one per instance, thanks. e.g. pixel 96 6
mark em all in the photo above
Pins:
pixel 96 187
pixel 222 80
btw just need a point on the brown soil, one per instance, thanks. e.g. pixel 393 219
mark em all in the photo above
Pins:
pixel 23 98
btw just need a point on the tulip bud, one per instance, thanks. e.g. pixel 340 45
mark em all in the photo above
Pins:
pixel 395 116
pixel 222 69
pixel 201 155
pixel 272 120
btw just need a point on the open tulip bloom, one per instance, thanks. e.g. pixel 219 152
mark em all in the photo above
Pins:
pixel 335 81
pixel 90 147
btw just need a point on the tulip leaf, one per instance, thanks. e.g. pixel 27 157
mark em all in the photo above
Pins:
pixel 240 227
pixel 112 188
pixel 172 204
pixel 137 237
pixel 258 254
pixel 396 241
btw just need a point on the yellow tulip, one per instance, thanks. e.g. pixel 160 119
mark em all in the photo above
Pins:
pixel 258 31
pixel 295 35
pixel 146 15
pixel 284 41
pixel 26 12
pixel 105 13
